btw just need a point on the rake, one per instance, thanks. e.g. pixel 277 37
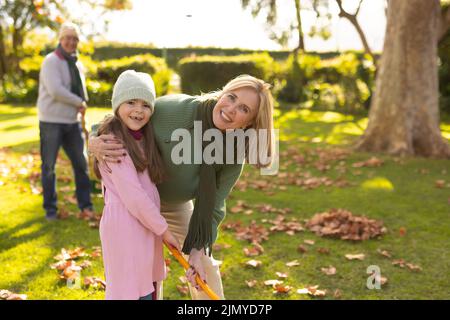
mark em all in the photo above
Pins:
pixel 185 264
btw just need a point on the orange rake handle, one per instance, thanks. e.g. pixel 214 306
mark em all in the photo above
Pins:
pixel 186 266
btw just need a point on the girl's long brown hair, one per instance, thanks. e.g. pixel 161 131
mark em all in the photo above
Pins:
pixel 151 157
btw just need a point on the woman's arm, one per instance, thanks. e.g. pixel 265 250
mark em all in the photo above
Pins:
pixel 106 148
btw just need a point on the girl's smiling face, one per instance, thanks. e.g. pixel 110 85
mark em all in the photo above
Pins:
pixel 236 109
pixel 135 113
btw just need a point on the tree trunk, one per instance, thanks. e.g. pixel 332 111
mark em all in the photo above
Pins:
pixel 301 40
pixel 404 114
pixel 3 69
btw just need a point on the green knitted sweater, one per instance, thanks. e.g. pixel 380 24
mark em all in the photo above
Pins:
pixel 179 111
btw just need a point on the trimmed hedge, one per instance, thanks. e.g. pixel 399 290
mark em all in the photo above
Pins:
pixel 210 73
pixel 109 70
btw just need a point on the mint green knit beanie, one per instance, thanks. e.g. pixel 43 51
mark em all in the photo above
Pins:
pixel 133 85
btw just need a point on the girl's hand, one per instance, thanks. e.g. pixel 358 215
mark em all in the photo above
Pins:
pixel 106 148
pixel 169 238
pixel 195 261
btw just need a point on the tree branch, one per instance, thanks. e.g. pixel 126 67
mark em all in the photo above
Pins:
pixel 359 7
pixel 353 20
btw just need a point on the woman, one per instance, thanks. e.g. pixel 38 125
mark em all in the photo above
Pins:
pixel 244 103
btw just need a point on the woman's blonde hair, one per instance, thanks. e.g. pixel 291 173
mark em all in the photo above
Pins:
pixel 264 118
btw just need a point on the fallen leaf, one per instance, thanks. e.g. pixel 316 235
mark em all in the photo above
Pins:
pixel 281 275
pixel 329 271
pixel 310 242
pixel 272 282
pixel 439 184
pixel 254 263
pixel 15 296
pixel 293 263
pixel 220 246
pixel 256 250
pixel 280 289
pixel 183 279
pixel 323 250
pixel 384 253
pixel 96 253
pixel 337 294
pixel 184 290
pixel 402 231
pixel 62 264
pixel 8 295
pixel 312 291
pixel 359 256
pixel 85 264
pixel 413 267
pixel 94 282
pixel 71 272
pixel 302 249
pixel 372 162
pixel 399 262
pixel 251 283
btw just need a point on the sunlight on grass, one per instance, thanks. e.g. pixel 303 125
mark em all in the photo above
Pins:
pixel 378 183
pixel 320 127
pixel 19 125
pixel 23 259
pixel 445 129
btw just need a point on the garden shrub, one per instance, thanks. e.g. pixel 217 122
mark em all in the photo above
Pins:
pixel 210 73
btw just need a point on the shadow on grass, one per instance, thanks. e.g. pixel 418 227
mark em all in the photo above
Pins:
pixel 17 113
pixel 320 127
pixel 8 241
pixel 16 127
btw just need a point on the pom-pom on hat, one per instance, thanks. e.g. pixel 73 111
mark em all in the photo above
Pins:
pixel 133 85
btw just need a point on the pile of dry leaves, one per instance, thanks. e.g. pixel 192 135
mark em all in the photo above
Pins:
pixel 343 224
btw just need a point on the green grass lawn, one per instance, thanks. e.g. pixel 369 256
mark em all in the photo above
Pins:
pixel 410 195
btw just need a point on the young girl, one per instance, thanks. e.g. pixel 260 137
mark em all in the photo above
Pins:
pixel 132 228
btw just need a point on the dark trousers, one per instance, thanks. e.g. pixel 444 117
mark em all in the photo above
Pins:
pixel 70 137
pixel 151 296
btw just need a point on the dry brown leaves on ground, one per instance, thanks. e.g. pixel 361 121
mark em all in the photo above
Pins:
pixel 280 225
pixel 313 291
pixel 70 269
pixel 401 263
pixel 343 224
pixel 94 282
pixel 253 233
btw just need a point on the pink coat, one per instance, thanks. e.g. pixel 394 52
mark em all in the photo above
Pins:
pixel 130 232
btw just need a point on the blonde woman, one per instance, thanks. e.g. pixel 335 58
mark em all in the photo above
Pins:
pixel 244 103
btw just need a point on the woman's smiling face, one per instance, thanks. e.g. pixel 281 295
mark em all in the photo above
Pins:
pixel 135 113
pixel 236 109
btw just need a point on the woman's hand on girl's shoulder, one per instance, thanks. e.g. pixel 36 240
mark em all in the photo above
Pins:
pixel 107 148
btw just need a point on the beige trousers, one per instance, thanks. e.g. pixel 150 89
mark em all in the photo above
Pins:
pixel 178 217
